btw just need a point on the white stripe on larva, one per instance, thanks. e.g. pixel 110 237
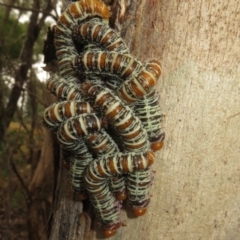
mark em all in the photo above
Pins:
pixel 73 108
pixel 99 96
pixel 83 124
pixel 55 110
pixel 66 129
pixel 140 87
pixel 129 161
pixel 115 166
pixel 124 88
pixel 45 118
pixel 121 122
pixel 112 107
pixel 104 141
pixel 126 68
pixel 113 61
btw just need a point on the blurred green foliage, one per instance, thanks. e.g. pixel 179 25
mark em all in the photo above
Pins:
pixel 12 37
pixel 18 198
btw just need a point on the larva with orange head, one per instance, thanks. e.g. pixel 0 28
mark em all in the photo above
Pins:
pixel 75 13
pixel 63 89
pixel 109 166
pixel 57 113
pixel 121 117
pixel 100 34
pixel 149 112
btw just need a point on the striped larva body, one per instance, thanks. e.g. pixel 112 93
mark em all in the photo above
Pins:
pixel 100 34
pixel 148 111
pixel 57 113
pixel 139 79
pixel 79 162
pixel 138 184
pixel 121 117
pixel 106 63
pixel 63 89
pixel 77 171
pixel 97 33
pixel 76 158
pixel 133 136
pixel 135 88
pixel 75 13
pixel 77 127
pixel 101 143
pixel 108 166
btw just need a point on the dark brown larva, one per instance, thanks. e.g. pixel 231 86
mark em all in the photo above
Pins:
pixel 75 13
pixel 147 109
pixel 84 134
pixel 57 113
pixel 140 84
pixel 121 117
pixel 79 126
pixel 139 79
pixel 134 140
pixel 103 168
pixel 107 63
pixel 63 89
pixel 98 33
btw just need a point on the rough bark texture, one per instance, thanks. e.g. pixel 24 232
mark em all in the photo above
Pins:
pixel 41 189
pixel 195 194
pixel 25 61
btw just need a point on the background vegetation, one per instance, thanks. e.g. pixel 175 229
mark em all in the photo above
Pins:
pixel 23 29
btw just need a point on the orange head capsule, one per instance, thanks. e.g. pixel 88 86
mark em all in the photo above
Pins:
pixel 121 196
pixel 156 146
pixel 139 211
pixel 111 230
pixel 109 233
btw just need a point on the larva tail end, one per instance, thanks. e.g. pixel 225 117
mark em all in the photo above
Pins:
pixel 157 146
pixel 111 230
pixel 109 233
pixel 121 196
pixel 139 211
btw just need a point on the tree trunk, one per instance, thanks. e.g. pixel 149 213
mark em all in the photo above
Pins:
pixel 195 193
pixel 25 61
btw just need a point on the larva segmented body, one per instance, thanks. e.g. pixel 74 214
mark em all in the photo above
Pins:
pixel 139 79
pixel 78 159
pixel 138 184
pixel 129 127
pixel 54 115
pixel 83 135
pixel 77 171
pixel 101 143
pixel 147 109
pixel 63 89
pixel 106 63
pixel 119 116
pixel 75 13
pixel 77 127
pixel 141 84
pixel 102 169
pixel 100 34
